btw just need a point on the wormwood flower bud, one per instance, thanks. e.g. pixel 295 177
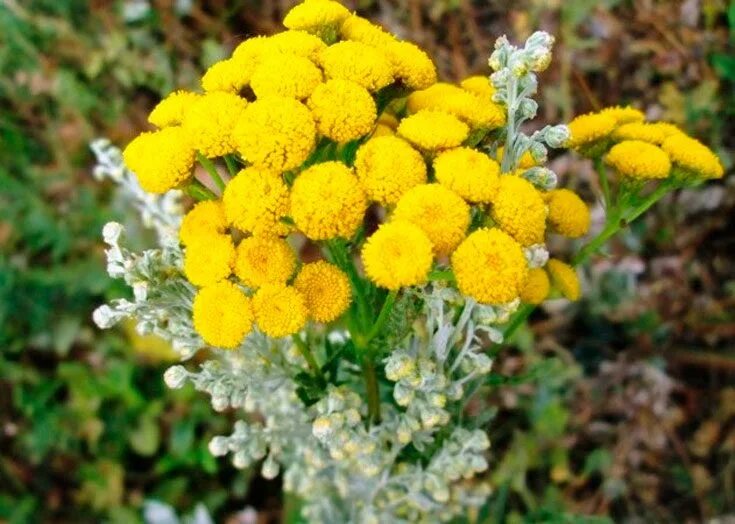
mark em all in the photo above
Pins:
pixel 270 468
pixel 557 136
pixel 527 108
pixel 399 366
pixel 322 428
pixel 175 376
pixel 104 317
pixel 219 446
pixel 402 394
pixel 111 232
pixel 541 177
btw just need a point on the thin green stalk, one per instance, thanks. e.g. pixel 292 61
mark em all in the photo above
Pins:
pixel 371 385
pixel 604 182
pixel 520 316
pixel 308 356
pixel 390 300
pixel 209 166
pixel 231 164
pixel 198 191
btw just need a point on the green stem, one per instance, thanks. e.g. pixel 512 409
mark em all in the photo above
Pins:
pixel 371 385
pixel 209 166
pixel 308 356
pixel 604 182
pixel 519 318
pixel 612 227
pixel 198 191
pixel 442 274
pixel 383 315
pixel 231 164
pixel 340 256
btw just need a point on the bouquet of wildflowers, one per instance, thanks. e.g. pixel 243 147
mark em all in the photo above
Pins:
pixel 359 234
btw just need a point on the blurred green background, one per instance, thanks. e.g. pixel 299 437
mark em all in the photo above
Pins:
pixel 620 407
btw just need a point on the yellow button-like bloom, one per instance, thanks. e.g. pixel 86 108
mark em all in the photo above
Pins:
pixel 209 259
pixel 490 267
pixel 438 211
pixel 326 290
pixel 653 133
pixel 480 85
pixel 222 315
pixel 295 42
pixel 536 288
pixel 247 54
pixel 256 201
pixel 327 202
pixel 362 30
pixel 411 64
pixel 320 17
pixel 519 210
pixel 387 167
pixel 160 159
pixel 279 310
pixel 210 121
pixel 466 106
pixel 275 133
pixel 471 174
pixel 171 110
pixel 229 76
pixel 564 278
pixel 624 115
pixel 205 218
pixel 264 260
pixel 568 214
pixel 587 129
pixel 358 62
pixel 692 156
pixel 286 75
pixel 525 162
pixel 398 254
pixel 638 160
pixel 433 130
pixel 343 110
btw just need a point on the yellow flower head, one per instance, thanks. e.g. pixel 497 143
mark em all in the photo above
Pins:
pixel 411 64
pixel 472 175
pixel 160 159
pixel 624 115
pixel 171 110
pixel 586 130
pixel 565 278
pixel 229 76
pixel 692 156
pixel 525 162
pixel 280 310
pixel 519 210
pixel 320 17
pixel 465 105
pixel 222 315
pixel 490 266
pixel 653 133
pixel 343 110
pixel 433 130
pixel 295 42
pixel 205 218
pixel 288 75
pixel 362 30
pixel 327 202
pixel 256 201
pixel 536 288
pixel 264 260
pixel 397 254
pixel 209 259
pixel 638 160
pixel 357 62
pixel 248 53
pixel 326 290
pixel 210 121
pixel 438 211
pixel 387 167
pixel 568 214
pixel 480 85
pixel 275 133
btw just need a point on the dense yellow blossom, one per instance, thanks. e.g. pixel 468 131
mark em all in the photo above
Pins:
pixel 410 64
pixel 433 130
pixel 209 259
pixel 275 133
pixel 256 201
pixel 490 266
pixel 590 128
pixel 362 30
pixel 387 167
pixel 638 160
pixel 296 43
pixel 525 162
pixel 160 159
pixel 326 290
pixel 210 121
pixel 285 74
pixel 222 314
pixel 654 133
pixel 471 174
pixel 519 210
pixel 438 211
pixel 171 110
pixel 343 110
pixel 398 254
pixel 692 156
pixel 565 278
pixel 228 75
pixel 264 260
pixel 327 201
pixel 624 115
pixel 280 310
pixel 248 53
pixel 358 62
pixel 321 17
pixel 568 214
pixel 480 85
pixel 205 218
pixel 536 288
pixel 465 105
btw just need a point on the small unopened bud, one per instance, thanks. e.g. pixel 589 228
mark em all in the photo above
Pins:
pixel 270 468
pixel 111 233
pixel 104 317
pixel 218 446
pixel 175 376
pixel 557 136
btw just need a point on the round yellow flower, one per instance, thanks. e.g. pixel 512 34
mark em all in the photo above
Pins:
pixel 438 211
pixel 280 310
pixel 222 315
pixel 275 133
pixel 490 266
pixel 228 76
pixel 248 53
pixel 256 201
pixel 565 278
pixel 295 42
pixel 387 167
pixel 320 17
pixel 519 210
pixel 362 30
pixel 326 290
pixel 525 162
pixel 327 202
pixel 411 64
pixel 433 130
pixel 568 214
pixel 357 62
pixel 171 110
pixel 264 260
pixel 205 218
pixel 343 110
pixel 588 129
pixel 536 288
pixel 397 254
pixel 160 159
pixel 288 75
pixel 209 259
pixel 638 160
pixel 653 133
pixel 692 156
pixel 472 175
pixel 466 106
pixel 210 121
pixel 624 115
pixel 480 85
